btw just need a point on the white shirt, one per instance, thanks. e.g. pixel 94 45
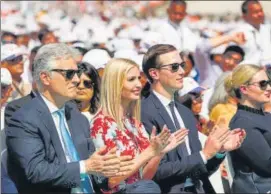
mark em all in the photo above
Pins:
pixel 208 71
pixel 180 36
pixel 52 108
pixel 258 44
pixel 88 116
pixel 165 101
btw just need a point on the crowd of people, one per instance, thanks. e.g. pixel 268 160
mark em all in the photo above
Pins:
pixel 110 103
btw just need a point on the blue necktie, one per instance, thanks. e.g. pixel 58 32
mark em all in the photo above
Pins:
pixel 86 184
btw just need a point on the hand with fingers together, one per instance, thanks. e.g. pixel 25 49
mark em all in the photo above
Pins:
pixel 234 140
pixel 216 139
pixel 235 137
pixel 175 139
pixel 108 164
pixel 159 142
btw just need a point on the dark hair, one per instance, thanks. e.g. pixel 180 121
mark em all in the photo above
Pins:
pixel 189 55
pixel 34 51
pixel 6 33
pixel 178 2
pixel 43 33
pixel 236 49
pixel 186 100
pixel 92 73
pixel 83 51
pixel 150 58
pixel 245 5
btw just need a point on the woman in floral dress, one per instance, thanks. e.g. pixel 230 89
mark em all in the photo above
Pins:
pixel 118 125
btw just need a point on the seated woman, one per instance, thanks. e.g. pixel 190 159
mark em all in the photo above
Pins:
pixel 252 161
pixel 88 94
pixel 221 103
pixel 118 124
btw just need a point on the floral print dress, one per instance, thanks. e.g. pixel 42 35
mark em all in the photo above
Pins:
pixel 130 142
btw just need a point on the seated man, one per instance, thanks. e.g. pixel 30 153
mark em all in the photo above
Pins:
pixel 187 167
pixel 49 148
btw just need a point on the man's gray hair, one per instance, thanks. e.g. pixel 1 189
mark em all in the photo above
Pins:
pixel 46 58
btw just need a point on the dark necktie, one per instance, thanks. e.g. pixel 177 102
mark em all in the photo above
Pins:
pixel 188 181
pixel 177 125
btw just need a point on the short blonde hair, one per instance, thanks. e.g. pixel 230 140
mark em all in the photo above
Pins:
pixel 115 73
pixel 241 75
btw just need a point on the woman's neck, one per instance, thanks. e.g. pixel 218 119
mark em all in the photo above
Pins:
pixel 255 105
pixel 124 108
pixel 85 106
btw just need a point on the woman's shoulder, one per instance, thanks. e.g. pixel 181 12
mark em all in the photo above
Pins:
pixel 102 121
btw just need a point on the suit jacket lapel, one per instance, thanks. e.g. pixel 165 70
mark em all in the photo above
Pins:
pixel 164 114
pixel 48 122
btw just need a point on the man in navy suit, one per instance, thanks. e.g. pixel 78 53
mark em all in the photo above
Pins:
pixel 49 149
pixel 185 169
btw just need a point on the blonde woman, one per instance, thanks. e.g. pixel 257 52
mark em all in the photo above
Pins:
pixel 252 161
pixel 118 124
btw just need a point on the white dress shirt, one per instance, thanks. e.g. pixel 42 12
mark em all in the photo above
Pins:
pixel 52 108
pixel 180 36
pixel 258 44
pixel 165 101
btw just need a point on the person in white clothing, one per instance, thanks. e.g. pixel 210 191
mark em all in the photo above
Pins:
pixel 232 56
pixel 257 33
pixel 175 31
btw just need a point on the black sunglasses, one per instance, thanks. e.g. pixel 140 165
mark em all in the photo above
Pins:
pixel 174 67
pixel 67 73
pixel 88 84
pixel 15 60
pixel 263 84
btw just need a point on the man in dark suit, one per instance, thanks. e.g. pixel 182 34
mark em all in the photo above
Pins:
pixel 49 149
pixel 15 105
pixel 185 169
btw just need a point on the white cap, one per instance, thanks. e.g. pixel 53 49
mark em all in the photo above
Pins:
pixel 125 53
pixel 189 84
pixel 6 78
pixel 151 38
pixel 10 51
pixel 122 44
pixel 68 37
pixel 135 32
pixel 96 57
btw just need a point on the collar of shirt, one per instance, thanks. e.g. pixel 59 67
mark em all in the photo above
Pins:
pixel 52 108
pixel 164 100
pixel 174 25
pixel 247 26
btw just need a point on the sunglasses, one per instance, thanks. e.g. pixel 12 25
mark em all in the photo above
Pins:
pixel 67 73
pixel 174 67
pixel 262 84
pixel 88 84
pixel 15 60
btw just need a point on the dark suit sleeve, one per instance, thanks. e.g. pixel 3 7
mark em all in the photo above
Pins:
pixel 9 110
pixel 255 150
pixel 26 149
